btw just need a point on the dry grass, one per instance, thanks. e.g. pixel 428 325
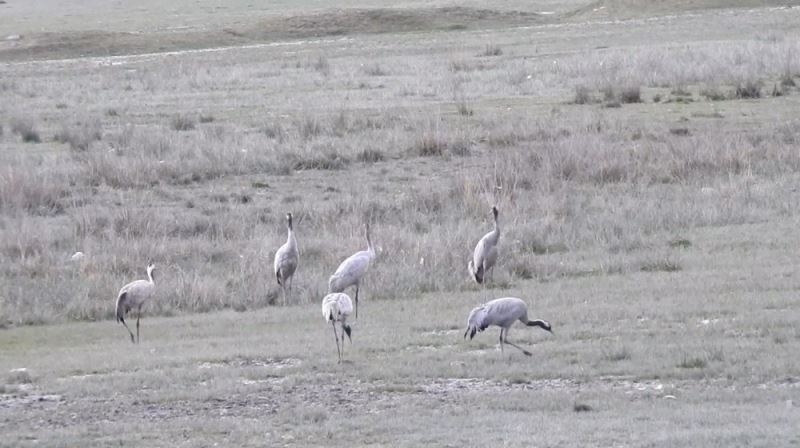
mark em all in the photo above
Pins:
pixel 81 135
pixel 642 232
pixel 25 128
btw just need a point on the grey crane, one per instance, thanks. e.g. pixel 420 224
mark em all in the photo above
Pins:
pixel 352 269
pixel 286 259
pixel 502 312
pixel 133 295
pixel 485 255
pixel 335 308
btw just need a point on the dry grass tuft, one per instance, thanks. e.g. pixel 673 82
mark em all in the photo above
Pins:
pixel 19 376
pixel 748 90
pixel 692 362
pixel 581 407
pixel 182 123
pixel 630 94
pixel 375 69
pixel 369 155
pixel 660 265
pixel 713 93
pixel 24 127
pixel 81 135
pixel 322 65
pixel 491 50
pixel 680 243
pixel 463 109
pixel 583 95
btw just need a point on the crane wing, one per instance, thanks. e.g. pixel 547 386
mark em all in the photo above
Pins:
pixel 349 272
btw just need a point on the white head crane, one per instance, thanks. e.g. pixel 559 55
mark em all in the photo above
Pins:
pixel 335 308
pixel 484 256
pixel 353 269
pixel 133 295
pixel 286 259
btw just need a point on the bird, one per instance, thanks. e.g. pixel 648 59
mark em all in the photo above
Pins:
pixel 133 295
pixel 286 259
pixel 502 312
pixel 485 255
pixel 352 269
pixel 335 308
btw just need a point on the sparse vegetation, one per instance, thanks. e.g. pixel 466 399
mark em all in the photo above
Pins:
pixel 463 108
pixel 81 135
pixel 26 130
pixel 581 407
pixel 692 362
pixel 182 123
pixel 643 233
pixel 661 265
pixel 630 94
pixel 583 95
pixel 369 155
pixel 322 65
pixel 713 93
pixel 491 50
pixel 748 89
pixel 375 70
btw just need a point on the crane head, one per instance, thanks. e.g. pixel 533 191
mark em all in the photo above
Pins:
pixel 495 212
pixel 289 219
pixel 150 269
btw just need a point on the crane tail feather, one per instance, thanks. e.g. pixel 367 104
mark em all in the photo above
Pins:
pixel 120 309
pixel 477 274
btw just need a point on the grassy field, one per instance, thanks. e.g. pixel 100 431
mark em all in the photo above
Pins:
pixel 644 160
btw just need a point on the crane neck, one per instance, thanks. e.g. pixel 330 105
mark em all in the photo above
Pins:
pixel 370 247
pixel 150 276
pixel 496 231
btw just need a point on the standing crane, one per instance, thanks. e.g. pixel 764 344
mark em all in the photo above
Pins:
pixel 335 308
pixel 133 295
pixel 485 255
pixel 286 259
pixel 352 269
pixel 502 313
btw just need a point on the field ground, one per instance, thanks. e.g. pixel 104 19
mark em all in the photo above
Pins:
pixel 705 356
pixel 644 158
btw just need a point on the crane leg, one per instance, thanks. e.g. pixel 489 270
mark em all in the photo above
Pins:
pixel 501 340
pixel 527 353
pixel 356 301
pixel 138 316
pixel 336 338
pixel 342 341
pixel 129 331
